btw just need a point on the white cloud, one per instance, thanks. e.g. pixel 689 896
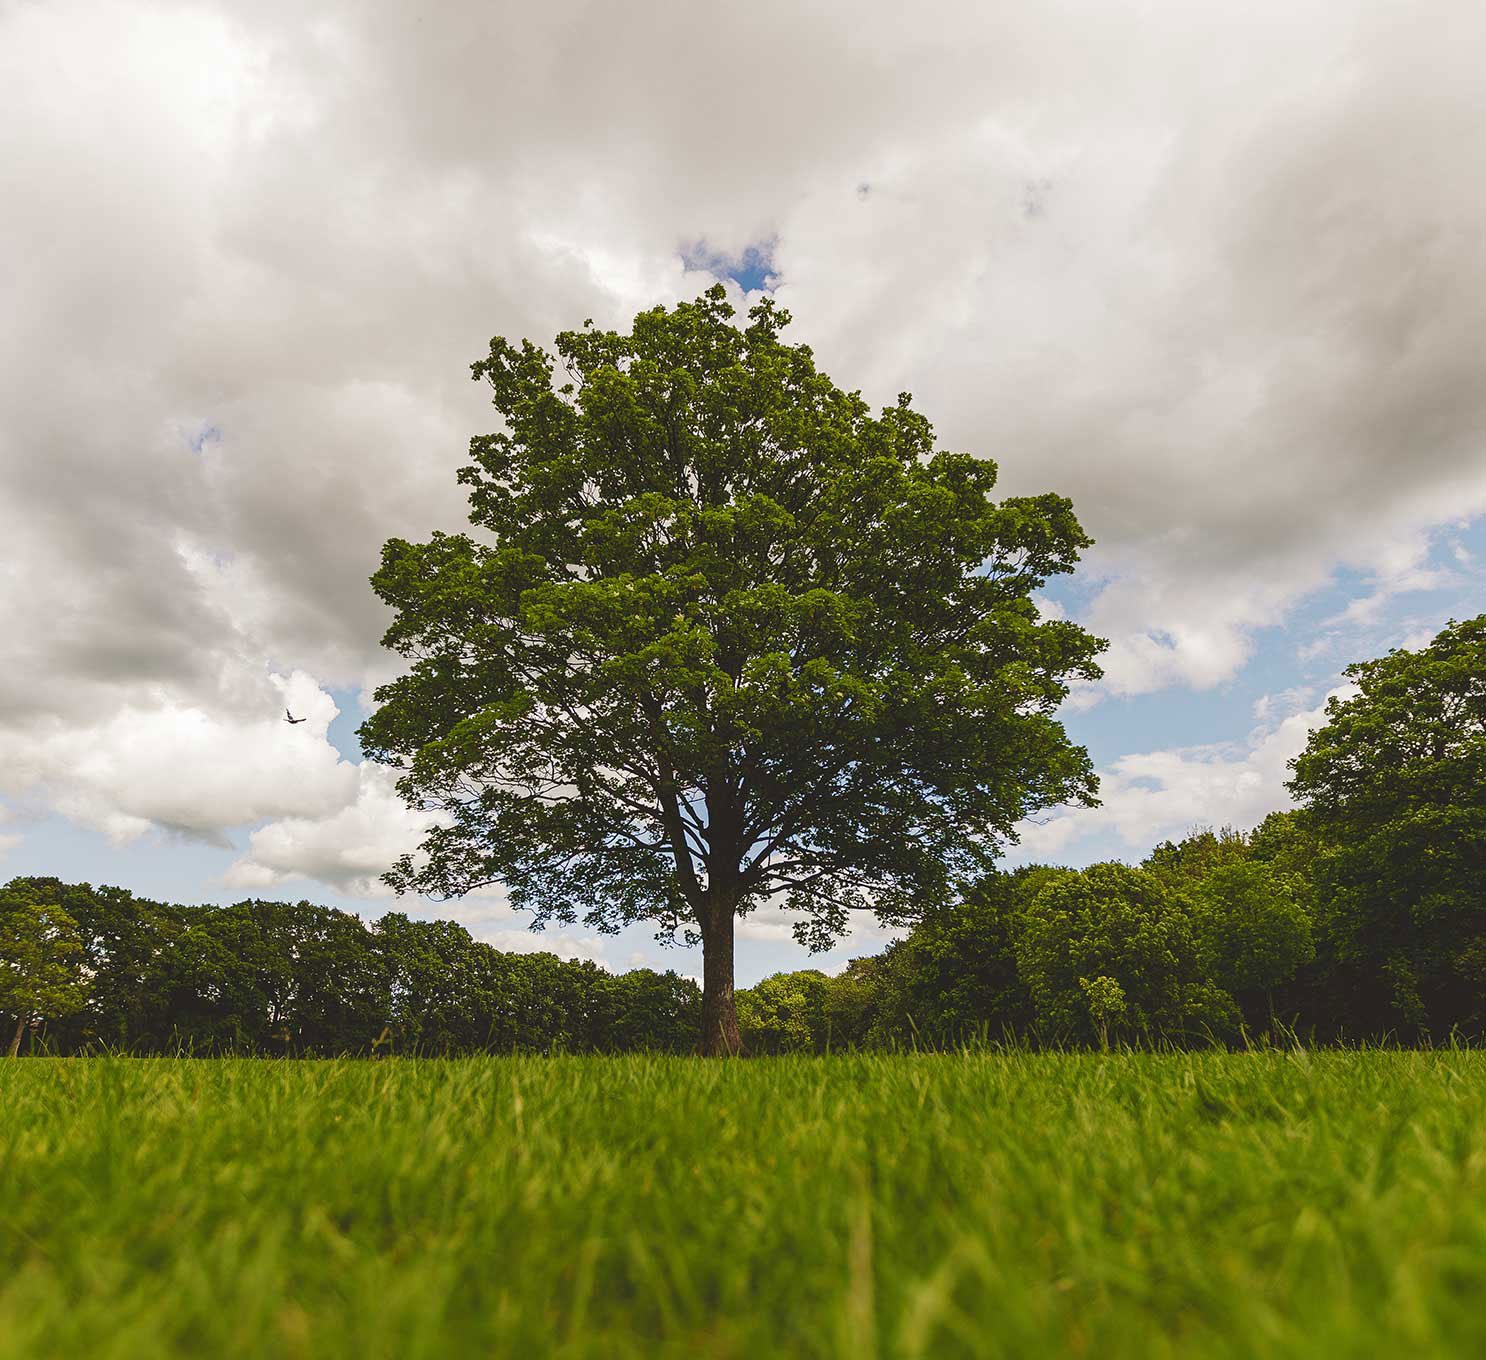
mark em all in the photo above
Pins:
pixel 1271 707
pixel 489 916
pixel 1404 570
pixel 772 924
pixel 562 943
pixel 1152 796
pixel 170 763
pixel 775 926
pixel 1418 638
pixel 348 847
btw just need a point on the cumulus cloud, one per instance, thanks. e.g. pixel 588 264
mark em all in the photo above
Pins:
pixel 565 944
pixel 163 761
pixel 1282 704
pixel 1150 796
pixel 773 925
pixel 489 916
pixel 349 847
pixel 1219 278
pixel 1400 572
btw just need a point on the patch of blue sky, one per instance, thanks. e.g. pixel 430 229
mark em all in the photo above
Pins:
pixel 752 268
pixel 158 865
pixel 203 436
pixel 1293 663
pixel 1121 725
pixel 1363 615
pixel 341 733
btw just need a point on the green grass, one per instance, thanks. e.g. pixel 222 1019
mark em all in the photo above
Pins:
pixel 1324 1204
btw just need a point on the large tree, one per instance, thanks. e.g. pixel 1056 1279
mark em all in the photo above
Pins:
pixel 723 637
pixel 1394 787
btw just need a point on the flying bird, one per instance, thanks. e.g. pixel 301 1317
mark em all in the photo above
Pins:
pixel 290 718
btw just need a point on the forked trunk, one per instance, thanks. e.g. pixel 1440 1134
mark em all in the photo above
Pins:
pixel 720 1037
pixel 20 1029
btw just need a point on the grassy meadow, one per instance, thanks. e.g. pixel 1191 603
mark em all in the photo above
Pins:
pixel 1262 1204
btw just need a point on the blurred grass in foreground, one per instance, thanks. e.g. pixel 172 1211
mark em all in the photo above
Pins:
pixel 1263 1204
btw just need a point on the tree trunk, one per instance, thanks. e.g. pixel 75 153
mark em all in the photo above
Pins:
pixel 20 1028
pixel 720 1037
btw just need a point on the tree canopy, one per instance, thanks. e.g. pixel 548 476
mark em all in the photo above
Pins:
pixel 1112 950
pixel 293 978
pixel 41 954
pixel 723 636
pixel 1394 785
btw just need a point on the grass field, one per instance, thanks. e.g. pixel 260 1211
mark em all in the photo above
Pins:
pixel 1322 1204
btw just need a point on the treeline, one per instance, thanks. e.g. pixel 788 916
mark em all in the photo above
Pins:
pixel 1221 937
pixel 1217 938
pixel 292 978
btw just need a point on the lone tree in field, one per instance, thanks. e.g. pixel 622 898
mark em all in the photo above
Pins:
pixel 725 638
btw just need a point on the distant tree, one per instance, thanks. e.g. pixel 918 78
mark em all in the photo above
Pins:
pixel 786 1013
pixel 448 993
pixel 724 637
pixel 955 976
pixel 1253 931
pixel 552 997
pixel 1111 924
pixel 293 978
pixel 1253 919
pixel 1287 842
pixel 1322 996
pixel 128 953
pixel 1181 864
pixel 1394 788
pixel 41 954
pixel 1105 999
pixel 855 1003
pixel 643 1011
pixel 276 977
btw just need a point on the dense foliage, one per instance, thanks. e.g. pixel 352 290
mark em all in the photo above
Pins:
pixel 40 956
pixel 1394 787
pixel 1360 915
pixel 293 978
pixel 723 636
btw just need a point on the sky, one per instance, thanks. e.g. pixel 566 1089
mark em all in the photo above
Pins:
pixel 1217 273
